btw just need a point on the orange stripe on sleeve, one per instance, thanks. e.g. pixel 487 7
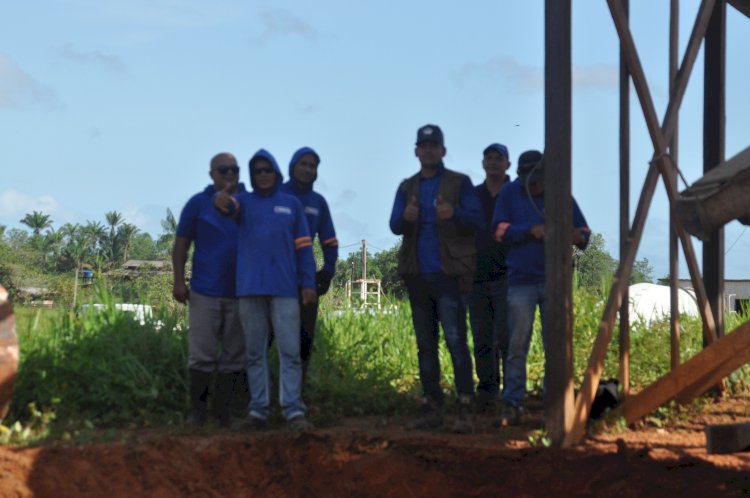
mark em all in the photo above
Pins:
pixel 301 242
pixel 501 229
pixel 332 242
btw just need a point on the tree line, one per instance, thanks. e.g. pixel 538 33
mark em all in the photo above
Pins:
pixel 593 268
pixel 43 251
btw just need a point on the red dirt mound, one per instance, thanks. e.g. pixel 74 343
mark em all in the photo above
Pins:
pixel 371 457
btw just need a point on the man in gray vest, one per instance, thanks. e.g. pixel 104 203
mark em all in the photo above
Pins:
pixel 437 212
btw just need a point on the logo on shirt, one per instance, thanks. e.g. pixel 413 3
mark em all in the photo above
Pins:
pixel 311 210
pixel 282 210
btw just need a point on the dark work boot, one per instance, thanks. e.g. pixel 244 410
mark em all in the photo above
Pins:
pixel 198 397
pixel 430 416
pixel 223 394
pixel 464 423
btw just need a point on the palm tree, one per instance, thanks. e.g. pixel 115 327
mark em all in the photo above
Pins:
pixel 94 233
pixel 37 221
pixel 166 239
pixel 125 236
pixel 114 219
pixel 52 244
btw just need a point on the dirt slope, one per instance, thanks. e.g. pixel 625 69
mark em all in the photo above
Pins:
pixel 374 457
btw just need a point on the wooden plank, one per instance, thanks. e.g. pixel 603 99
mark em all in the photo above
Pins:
pixel 622 274
pixel 717 198
pixel 558 307
pixel 741 5
pixel 727 438
pixel 712 364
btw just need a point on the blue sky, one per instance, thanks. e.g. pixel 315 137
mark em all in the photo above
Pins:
pixel 119 105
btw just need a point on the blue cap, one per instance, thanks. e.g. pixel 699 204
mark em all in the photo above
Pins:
pixel 530 166
pixel 500 148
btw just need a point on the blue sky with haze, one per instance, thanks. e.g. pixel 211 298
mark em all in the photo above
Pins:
pixel 119 105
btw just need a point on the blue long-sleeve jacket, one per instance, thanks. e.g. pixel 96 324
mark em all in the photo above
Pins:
pixel 318 215
pixel 274 255
pixel 515 214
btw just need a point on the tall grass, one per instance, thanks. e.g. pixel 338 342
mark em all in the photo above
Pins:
pixel 106 370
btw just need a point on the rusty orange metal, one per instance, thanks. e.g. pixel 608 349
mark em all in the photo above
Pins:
pixel 9 352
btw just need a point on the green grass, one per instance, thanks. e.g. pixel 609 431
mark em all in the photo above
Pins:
pixel 100 371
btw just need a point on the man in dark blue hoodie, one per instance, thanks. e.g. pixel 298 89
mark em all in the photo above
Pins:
pixel 215 339
pixel 303 171
pixel 519 221
pixel 275 270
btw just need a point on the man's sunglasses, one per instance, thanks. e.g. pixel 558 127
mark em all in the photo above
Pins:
pixel 223 170
pixel 257 171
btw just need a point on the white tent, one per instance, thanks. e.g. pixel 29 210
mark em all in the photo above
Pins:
pixel 650 302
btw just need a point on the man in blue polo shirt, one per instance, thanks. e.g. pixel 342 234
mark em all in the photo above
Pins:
pixel 215 340
pixel 303 171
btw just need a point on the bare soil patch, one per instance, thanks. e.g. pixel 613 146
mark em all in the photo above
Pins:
pixel 375 457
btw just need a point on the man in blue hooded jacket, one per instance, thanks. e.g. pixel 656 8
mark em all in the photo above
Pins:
pixel 303 171
pixel 275 270
pixel 518 220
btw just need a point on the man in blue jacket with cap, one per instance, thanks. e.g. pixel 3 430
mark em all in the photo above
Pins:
pixel 519 221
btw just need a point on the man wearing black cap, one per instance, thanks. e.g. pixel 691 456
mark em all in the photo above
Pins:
pixel 487 306
pixel 519 221
pixel 438 213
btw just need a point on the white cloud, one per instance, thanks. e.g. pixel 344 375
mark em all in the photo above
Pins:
pixel 505 70
pixel 525 79
pixel 596 76
pixel 19 89
pixel 277 23
pixel 16 204
pixel 95 59
pixel 161 13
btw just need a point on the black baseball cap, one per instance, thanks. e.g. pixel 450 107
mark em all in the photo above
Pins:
pixel 430 133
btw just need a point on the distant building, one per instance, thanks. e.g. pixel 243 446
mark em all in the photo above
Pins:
pixel 736 293
pixel 134 267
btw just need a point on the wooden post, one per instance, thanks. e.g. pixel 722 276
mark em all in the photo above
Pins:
pixel 660 136
pixel 624 337
pixel 714 122
pixel 558 223
pixel 674 266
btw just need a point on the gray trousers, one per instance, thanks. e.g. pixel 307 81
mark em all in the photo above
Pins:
pixel 215 337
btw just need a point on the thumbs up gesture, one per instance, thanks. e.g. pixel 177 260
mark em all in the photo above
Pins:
pixel 225 203
pixel 443 209
pixel 411 212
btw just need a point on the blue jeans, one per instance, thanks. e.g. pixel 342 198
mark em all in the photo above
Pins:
pixel 434 297
pixel 488 311
pixel 283 314
pixel 522 303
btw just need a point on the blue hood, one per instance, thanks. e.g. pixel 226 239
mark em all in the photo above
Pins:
pixel 295 157
pixel 263 153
